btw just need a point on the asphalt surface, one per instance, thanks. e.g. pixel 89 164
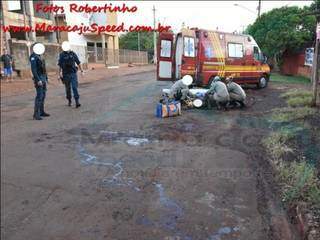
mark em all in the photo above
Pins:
pixel 112 170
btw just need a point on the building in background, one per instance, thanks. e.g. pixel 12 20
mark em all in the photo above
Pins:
pixel 297 63
pixel 90 47
pixel 100 47
pixel 21 13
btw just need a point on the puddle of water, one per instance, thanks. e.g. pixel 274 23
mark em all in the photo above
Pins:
pixel 137 141
pixel 130 139
pixel 223 231
pixel 171 212
pixel 169 220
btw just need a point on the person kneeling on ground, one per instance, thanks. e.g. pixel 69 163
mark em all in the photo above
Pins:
pixel 217 93
pixel 236 93
pixel 180 89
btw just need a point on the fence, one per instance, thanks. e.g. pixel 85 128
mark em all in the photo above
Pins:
pixel 20 50
pixel 116 56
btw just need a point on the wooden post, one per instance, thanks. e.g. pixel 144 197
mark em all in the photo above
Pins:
pixel 315 68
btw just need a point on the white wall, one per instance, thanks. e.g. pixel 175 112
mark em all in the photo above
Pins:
pixel 74 19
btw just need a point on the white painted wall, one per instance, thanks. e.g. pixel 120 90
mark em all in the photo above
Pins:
pixel 78 18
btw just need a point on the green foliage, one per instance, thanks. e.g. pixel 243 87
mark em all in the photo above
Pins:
pixel 298 98
pixel 276 145
pixel 130 41
pixel 300 183
pixel 292 114
pixel 281 29
pixel 300 101
pixel 293 93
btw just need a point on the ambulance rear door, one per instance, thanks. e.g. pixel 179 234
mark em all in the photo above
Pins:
pixel 188 66
pixel 165 66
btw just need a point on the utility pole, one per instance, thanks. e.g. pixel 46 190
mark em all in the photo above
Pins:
pixel 316 65
pixel 154 36
pixel 259 8
pixel 139 43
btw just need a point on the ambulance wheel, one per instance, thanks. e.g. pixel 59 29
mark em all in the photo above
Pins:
pixel 263 82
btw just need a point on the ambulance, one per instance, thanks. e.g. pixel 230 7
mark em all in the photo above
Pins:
pixel 204 54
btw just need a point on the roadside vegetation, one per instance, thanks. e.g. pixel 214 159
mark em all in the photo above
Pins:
pixel 296 172
pixel 278 78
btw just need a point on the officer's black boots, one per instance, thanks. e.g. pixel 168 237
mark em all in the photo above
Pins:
pixel 36 114
pixel 77 103
pixel 43 113
pixel 69 102
pixel 37 117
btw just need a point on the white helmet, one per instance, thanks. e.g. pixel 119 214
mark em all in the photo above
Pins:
pixel 197 103
pixel 38 48
pixel 187 80
pixel 66 46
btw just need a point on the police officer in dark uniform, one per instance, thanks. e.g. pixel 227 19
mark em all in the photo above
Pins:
pixel 69 63
pixel 40 79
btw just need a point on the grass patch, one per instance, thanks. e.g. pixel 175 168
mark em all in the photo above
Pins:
pixel 296 175
pixel 298 98
pixel 296 93
pixel 292 114
pixel 300 101
pixel 276 145
pixel 300 182
pixel 278 78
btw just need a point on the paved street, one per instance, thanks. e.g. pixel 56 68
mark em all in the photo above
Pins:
pixel 111 170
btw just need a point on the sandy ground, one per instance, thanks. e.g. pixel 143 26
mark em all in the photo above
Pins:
pixel 111 170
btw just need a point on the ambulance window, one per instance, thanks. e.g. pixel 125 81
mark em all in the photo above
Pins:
pixel 256 52
pixel 165 48
pixel 189 48
pixel 235 50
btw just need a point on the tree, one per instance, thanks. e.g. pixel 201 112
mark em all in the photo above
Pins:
pixel 282 29
pixel 130 41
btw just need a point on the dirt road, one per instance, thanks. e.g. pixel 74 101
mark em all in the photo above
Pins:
pixel 111 170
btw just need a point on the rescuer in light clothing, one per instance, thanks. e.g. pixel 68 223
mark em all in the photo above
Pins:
pixel 236 93
pixel 180 89
pixel 218 93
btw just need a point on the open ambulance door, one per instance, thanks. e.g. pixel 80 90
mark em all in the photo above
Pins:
pixel 165 67
pixel 189 53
